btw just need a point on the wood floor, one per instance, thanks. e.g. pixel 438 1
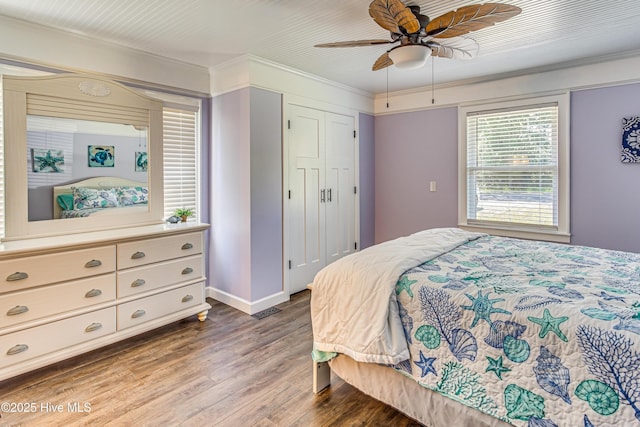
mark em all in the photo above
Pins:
pixel 231 370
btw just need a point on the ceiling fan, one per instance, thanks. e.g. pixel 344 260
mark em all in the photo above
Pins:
pixel 419 36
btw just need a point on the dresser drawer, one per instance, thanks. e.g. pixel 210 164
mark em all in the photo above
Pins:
pixel 34 342
pixel 149 277
pixel 133 254
pixel 150 308
pixel 27 272
pixel 19 307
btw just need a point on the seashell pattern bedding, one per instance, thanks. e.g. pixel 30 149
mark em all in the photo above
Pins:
pixel 533 333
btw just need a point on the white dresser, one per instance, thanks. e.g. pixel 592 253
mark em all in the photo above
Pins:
pixel 62 296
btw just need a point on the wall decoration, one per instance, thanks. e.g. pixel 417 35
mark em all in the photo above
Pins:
pixel 141 161
pixel 101 156
pixel 47 160
pixel 630 140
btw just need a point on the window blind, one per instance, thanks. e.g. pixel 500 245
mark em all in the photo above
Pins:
pixel 180 158
pixel 512 167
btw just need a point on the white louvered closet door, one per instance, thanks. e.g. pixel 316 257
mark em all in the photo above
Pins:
pixel 321 199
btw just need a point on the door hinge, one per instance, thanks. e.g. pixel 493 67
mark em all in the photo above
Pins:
pixel 355 190
pixel 354 133
pixel 289 264
pixel 289 194
pixel 288 124
pixel 355 246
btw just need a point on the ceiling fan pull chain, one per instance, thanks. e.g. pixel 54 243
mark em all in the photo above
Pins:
pixel 387 87
pixel 433 98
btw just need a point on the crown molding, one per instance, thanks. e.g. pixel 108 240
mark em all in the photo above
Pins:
pixel 49 48
pixel 252 71
pixel 602 71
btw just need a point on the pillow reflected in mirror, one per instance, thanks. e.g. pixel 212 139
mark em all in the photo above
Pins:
pixel 90 198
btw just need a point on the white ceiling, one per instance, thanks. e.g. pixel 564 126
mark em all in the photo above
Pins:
pixel 209 32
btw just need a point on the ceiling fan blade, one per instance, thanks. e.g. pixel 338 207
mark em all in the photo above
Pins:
pixel 423 20
pixel 470 18
pixel 356 43
pixel 382 62
pixel 393 14
pixel 454 48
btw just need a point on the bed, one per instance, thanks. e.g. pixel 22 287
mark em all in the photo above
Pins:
pixel 99 196
pixel 459 328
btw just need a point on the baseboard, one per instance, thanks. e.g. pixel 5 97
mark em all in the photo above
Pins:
pixel 249 307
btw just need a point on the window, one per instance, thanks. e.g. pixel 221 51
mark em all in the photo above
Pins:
pixel 514 168
pixel 180 158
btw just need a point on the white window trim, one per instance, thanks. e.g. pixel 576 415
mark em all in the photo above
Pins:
pixel 562 234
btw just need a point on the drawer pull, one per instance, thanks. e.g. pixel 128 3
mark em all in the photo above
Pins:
pixel 138 313
pixel 187 270
pixel 187 298
pixel 18 275
pixel 93 263
pixel 93 327
pixel 187 246
pixel 138 282
pixel 93 293
pixel 18 309
pixel 138 255
pixel 19 348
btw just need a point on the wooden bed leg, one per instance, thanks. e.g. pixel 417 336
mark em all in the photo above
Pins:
pixel 321 376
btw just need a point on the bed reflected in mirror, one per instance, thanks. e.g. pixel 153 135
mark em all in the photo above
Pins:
pixel 81 168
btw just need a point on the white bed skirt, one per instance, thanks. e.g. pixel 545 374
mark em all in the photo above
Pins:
pixel 426 406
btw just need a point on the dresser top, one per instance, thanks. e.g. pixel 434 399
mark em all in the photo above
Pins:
pixel 13 248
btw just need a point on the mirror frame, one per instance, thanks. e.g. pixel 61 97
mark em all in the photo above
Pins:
pixel 78 97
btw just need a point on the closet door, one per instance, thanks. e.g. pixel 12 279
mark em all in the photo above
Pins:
pixel 307 250
pixel 340 184
pixel 321 199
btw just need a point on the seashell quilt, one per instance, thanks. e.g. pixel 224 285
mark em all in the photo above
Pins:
pixel 533 333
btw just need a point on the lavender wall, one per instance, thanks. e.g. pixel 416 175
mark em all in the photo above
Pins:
pixel 605 206
pixel 205 180
pixel 367 177
pixel 266 193
pixel 246 194
pixel 412 149
pixel 230 254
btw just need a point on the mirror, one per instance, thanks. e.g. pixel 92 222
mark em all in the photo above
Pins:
pixel 77 168
pixel 81 154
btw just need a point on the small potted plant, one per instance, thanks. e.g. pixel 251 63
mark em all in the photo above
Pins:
pixel 184 213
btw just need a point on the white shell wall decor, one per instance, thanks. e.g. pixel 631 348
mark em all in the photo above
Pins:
pixel 94 89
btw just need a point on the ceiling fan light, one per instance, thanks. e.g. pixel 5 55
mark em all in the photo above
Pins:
pixel 410 57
